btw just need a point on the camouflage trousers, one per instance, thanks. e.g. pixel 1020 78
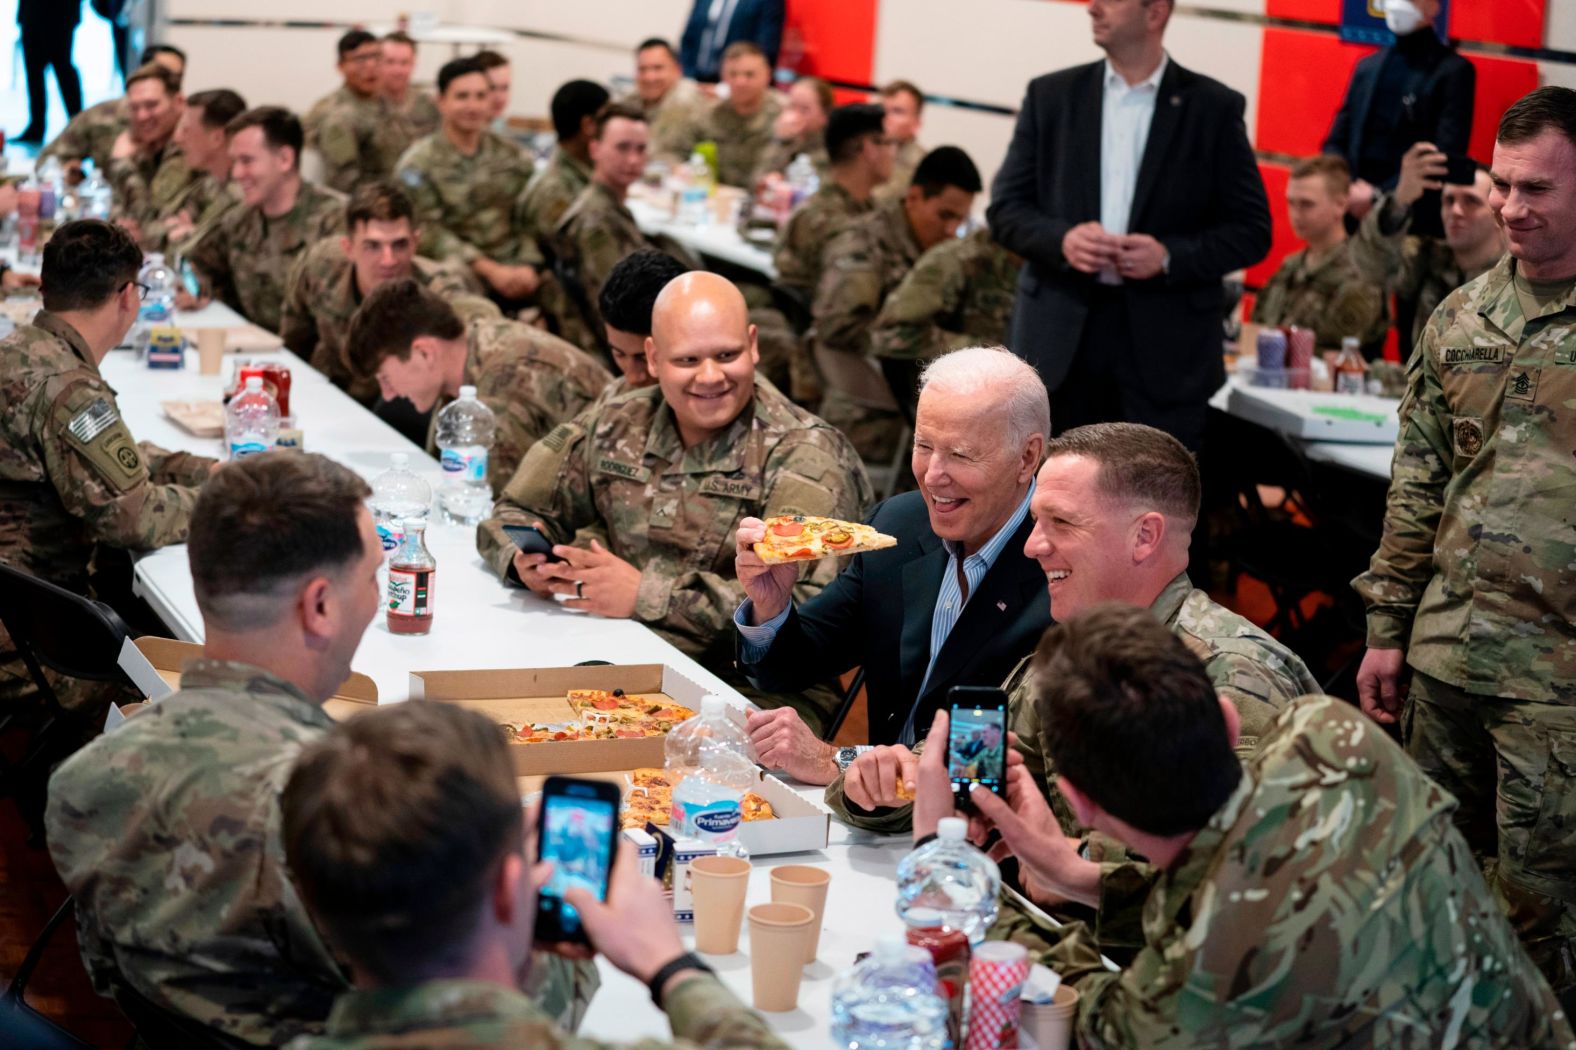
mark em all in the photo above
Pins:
pixel 1512 766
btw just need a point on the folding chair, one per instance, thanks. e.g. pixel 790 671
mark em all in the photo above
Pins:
pixel 21 1026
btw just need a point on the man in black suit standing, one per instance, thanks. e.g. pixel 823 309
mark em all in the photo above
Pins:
pixel 1131 189
pixel 955 603
pixel 714 24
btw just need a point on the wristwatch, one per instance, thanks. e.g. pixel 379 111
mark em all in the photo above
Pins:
pixel 687 961
pixel 846 755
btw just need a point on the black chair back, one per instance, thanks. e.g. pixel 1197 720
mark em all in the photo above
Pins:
pixel 22 1027
pixel 61 630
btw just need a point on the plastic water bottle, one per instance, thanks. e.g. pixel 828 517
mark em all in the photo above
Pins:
pixel 465 437
pixel 251 420
pixel 952 877
pixel 888 1001
pixel 693 208
pixel 398 495
pixel 158 308
pixel 95 198
pixel 803 178
pixel 708 759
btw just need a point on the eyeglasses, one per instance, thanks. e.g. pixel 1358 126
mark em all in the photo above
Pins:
pixel 142 290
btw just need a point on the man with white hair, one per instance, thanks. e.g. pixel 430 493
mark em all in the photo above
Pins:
pixel 954 603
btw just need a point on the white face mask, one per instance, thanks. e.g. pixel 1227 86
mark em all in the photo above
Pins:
pixel 1402 17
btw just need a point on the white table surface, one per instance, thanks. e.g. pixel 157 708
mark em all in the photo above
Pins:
pixel 709 239
pixel 1372 460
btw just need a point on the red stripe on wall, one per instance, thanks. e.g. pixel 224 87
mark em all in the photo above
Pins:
pixel 1283 241
pixel 1500 81
pixel 1515 22
pixel 1302 79
pixel 838 38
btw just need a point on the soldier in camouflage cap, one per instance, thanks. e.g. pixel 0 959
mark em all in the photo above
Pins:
pixel 1474 582
pixel 246 260
pixel 91 134
pixel 414 108
pixel 466 182
pixel 1114 508
pixel 415 345
pixel 669 472
pixel 1426 269
pixel 741 124
pixel 1319 287
pixel 1318 896
pixel 859 268
pixel 338 273
pixel 148 172
pixel 353 128
pixel 71 475
pixel 448 803
pixel 672 103
pixel 199 205
pixel 800 128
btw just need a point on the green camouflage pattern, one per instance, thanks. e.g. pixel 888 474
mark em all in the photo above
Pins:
pixel 358 137
pixel 532 380
pixel 323 296
pixel 417 116
pixel 150 186
pixel 461 1015
pixel 813 224
pixel 673 119
pixel 1475 575
pixel 859 269
pixel 245 261
pixel 467 207
pixel 672 512
pixel 193 197
pixel 1423 269
pixel 1329 902
pixel 1330 296
pixel 550 193
pixel 91 135
pixel 209 203
pixel 779 153
pixel 66 489
pixel 740 140
pixel 909 154
pixel 959 294
pixel 593 236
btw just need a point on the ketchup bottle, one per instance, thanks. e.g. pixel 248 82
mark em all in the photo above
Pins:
pixel 412 572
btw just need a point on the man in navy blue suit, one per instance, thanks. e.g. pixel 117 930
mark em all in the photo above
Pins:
pixel 714 24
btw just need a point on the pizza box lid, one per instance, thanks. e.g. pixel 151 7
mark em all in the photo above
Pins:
pixel 540 695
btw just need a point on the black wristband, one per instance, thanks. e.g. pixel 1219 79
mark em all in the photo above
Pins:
pixel 687 961
pixel 925 840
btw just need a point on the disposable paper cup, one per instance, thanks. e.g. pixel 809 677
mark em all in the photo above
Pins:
pixel 777 937
pixel 802 884
pixel 718 885
pixel 1051 1024
pixel 210 350
pixel 997 970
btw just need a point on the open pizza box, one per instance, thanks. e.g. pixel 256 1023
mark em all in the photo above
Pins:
pixel 154 665
pixel 540 695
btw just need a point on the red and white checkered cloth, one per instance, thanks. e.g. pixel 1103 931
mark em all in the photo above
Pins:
pixel 997 970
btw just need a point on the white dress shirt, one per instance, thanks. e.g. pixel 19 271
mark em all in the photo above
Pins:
pixel 1125 117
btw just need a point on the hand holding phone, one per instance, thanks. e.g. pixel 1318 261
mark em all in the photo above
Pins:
pixel 530 540
pixel 976 741
pixel 578 832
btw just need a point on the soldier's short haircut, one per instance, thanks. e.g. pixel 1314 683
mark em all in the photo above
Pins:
pixel 398 37
pixel 153 51
pixel 355 38
pixel 456 68
pixel 572 103
pixel 847 128
pixel 823 91
pixel 744 49
pixel 656 41
pixel 279 126
pixel 977 370
pixel 378 200
pixel 85 263
pixel 1337 174
pixel 1546 109
pixel 262 526
pixel 395 315
pixel 394 826
pixel 168 79
pixel 632 287
pixel 617 110
pixel 1129 716
pixel 946 166
pixel 905 87
pixel 219 106
pixel 490 59
pixel 1138 464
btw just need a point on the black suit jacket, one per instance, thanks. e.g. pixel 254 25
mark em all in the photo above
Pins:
pixel 1199 193
pixel 758 21
pixel 877 614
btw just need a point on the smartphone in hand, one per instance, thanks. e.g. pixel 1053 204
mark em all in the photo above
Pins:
pixel 530 540
pixel 976 741
pixel 578 831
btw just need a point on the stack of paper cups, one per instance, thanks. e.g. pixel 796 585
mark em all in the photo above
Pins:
pixel 1299 357
pixel 997 971
pixel 1050 1025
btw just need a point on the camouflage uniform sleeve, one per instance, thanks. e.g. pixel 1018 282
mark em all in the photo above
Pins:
pixel 1384 253
pixel 909 326
pixel 527 250
pixel 133 197
pixel 1259 692
pixel 1356 308
pixel 340 147
pixel 175 468
pixel 602 247
pixel 703 1012
pixel 849 295
pixel 100 476
pixel 1419 471
pixel 562 988
pixel 211 262
pixel 552 486
pixel 437 240
pixel 297 328
pixel 896 820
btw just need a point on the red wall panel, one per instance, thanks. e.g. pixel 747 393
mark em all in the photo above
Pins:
pixel 1500 81
pixel 1328 11
pixel 838 37
pixel 1517 22
pixel 1302 79
pixel 1283 241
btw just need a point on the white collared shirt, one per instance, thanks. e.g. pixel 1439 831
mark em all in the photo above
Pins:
pixel 1125 117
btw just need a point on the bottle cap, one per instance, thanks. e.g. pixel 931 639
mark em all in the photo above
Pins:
pixel 924 918
pixel 254 382
pixel 713 706
pixel 399 460
pixel 953 829
pixel 889 950
pixel 414 525
pixel 467 393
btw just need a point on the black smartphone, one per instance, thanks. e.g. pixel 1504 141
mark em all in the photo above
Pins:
pixel 976 740
pixel 577 830
pixel 1460 170
pixel 530 540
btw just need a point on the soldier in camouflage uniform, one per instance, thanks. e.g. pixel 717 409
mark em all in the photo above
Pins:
pixel 1097 478
pixel 353 128
pixel 71 475
pixel 91 134
pixel 1426 269
pixel 204 198
pixel 148 172
pixel 741 124
pixel 415 345
pixel 800 128
pixel 959 294
pixel 449 804
pixel 904 104
pixel 1319 287
pixel 466 183
pixel 669 471
pixel 673 104
pixel 337 273
pixel 413 107
pixel 246 259
pixel 554 188
pixel 1473 584
pixel 181 886
pixel 1317 897
pixel 859 268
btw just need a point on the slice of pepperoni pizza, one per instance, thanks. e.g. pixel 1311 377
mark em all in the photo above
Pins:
pixel 804 537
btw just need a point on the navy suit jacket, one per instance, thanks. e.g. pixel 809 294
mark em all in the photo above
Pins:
pixel 758 21
pixel 877 614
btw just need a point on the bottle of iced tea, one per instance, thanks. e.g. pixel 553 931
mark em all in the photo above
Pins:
pixel 412 572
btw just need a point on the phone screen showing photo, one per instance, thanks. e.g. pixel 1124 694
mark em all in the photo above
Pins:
pixel 577 836
pixel 977 747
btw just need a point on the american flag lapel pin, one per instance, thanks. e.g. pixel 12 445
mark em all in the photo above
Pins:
pixel 1002 606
